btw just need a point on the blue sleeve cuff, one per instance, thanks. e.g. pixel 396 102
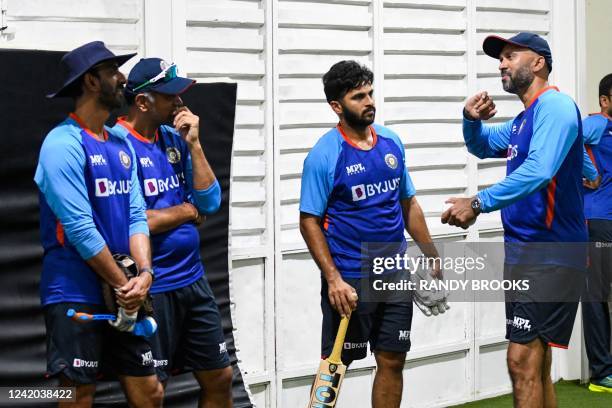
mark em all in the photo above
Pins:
pixel 90 248
pixel 140 227
pixel 208 200
pixel 485 201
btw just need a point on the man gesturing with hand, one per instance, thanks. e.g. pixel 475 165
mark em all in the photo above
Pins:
pixel 541 203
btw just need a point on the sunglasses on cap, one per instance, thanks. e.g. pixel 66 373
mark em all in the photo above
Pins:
pixel 166 75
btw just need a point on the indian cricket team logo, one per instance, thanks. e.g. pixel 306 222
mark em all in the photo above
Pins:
pixel 125 159
pixel 173 154
pixel 391 161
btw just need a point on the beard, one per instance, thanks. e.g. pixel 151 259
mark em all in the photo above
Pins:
pixel 357 121
pixel 111 97
pixel 518 82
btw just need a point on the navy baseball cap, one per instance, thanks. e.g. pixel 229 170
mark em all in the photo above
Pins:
pixel 157 75
pixel 493 45
pixel 77 62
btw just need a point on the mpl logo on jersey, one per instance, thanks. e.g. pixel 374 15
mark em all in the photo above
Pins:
pixel 362 191
pixel 146 162
pixel 153 186
pixel 147 359
pixel 403 335
pixel 355 169
pixel 107 188
pixel 97 160
pixel 519 323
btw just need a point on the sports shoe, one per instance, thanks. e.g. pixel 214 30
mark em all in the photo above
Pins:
pixel 603 385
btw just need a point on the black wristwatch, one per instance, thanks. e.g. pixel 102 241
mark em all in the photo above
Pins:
pixel 476 205
pixel 150 270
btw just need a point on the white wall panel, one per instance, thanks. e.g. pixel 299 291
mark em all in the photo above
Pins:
pixel 298 313
pixel 225 41
pixel 66 24
pixel 493 377
pixel 420 390
pixel 248 285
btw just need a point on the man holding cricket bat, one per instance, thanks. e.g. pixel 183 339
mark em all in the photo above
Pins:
pixel 356 189
pixel 90 208
pixel 179 189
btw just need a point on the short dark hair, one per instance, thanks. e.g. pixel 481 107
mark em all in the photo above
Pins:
pixel 344 76
pixel 605 85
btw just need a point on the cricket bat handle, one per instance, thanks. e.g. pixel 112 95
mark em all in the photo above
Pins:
pixel 335 356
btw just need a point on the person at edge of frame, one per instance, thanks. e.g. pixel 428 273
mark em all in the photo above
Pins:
pixel 597 129
pixel 338 214
pixel 180 189
pixel 90 208
pixel 541 203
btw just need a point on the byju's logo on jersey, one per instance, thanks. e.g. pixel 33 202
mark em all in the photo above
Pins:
pixel 153 186
pixel 106 187
pixel 358 192
pixel 355 169
pixel 363 191
pixel 512 152
pixel 125 159
pixel 391 161
pixel 97 160
pixel 146 162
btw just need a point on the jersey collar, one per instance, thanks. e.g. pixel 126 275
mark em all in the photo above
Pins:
pixel 82 125
pixel 122 122
pixel 548 88
pixel 349 141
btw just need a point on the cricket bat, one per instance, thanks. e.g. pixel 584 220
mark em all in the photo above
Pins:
pixel 326 387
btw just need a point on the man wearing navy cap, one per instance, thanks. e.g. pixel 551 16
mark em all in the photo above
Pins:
pixel 180 189
pixel 91 207
pixel 541 204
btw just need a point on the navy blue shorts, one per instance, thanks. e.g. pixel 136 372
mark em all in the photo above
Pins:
pixel 548 310
pixel 385 325
pixel 83 351
pixel 190 334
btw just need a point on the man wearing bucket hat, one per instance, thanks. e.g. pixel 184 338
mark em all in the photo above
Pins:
pixel 179 189
pixel 91 207
pixel 541 202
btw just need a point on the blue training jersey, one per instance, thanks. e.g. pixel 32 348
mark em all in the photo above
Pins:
pixel 89 198
pixel 165 175
pixel 541 196
pixel 356 193
pixel 598 143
